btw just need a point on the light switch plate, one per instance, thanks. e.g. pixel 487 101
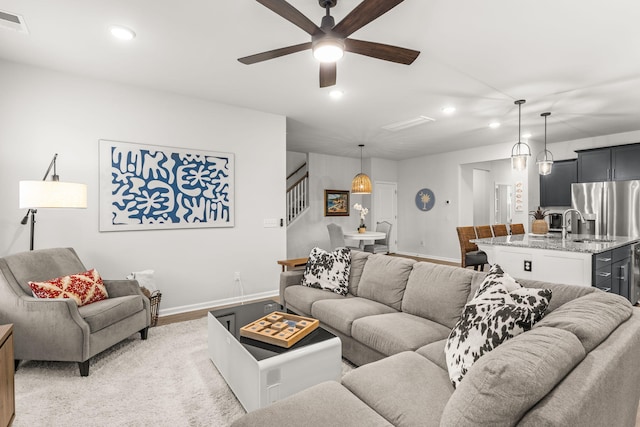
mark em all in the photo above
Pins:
pixel 271 222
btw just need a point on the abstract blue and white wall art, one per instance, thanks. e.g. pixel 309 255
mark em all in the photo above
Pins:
pixel 145 187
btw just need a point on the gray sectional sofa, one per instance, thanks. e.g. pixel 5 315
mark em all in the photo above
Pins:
pixel 578 366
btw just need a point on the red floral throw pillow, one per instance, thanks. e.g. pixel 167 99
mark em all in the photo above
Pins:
pixel 85 288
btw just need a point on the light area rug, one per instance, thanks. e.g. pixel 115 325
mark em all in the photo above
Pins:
pixel 167 380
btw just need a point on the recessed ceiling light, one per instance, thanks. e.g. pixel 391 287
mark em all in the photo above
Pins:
pixel 494 125
pixel 336 94
pixel 448 109
pixel 526 135
pixel 122 33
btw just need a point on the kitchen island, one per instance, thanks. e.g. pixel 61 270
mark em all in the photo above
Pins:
pixel 584 260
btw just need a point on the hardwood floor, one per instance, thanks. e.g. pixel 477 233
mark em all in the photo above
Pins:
pixel 197 314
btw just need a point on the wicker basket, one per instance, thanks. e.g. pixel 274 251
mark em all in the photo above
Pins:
pixel 154 299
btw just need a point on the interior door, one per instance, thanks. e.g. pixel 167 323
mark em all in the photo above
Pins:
pixel 385 207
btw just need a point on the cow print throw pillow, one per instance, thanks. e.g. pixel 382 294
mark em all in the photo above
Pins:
pixel 499 310
pixel 328 270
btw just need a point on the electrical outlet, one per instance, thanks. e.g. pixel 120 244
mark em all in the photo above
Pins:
pixel 236 275
pixel 527 265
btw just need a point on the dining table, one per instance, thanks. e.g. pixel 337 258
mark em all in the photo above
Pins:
pixel 363 237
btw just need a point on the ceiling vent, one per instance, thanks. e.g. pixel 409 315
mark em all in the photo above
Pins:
pixel 395 127
pixel 12 21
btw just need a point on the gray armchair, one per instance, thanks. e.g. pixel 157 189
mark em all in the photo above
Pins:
pixel 380 245
pixel 57 329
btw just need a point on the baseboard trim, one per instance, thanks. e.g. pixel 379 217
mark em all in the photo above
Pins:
pixel 215 304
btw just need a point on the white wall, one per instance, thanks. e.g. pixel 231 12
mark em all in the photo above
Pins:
pixel 310 229
pixel 450 176
pixel 44 112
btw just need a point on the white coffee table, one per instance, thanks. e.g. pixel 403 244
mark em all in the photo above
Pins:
pixel 260 373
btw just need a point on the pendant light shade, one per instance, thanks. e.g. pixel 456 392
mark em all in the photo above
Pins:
pixel 544 160
pixel 520 150
pixel 361 183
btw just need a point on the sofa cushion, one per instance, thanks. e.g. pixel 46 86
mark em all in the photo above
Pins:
pixel 435 352
pixel 105 313
pixel 340 314
pixel 437 292
pixel 84 288
pixel 384 279
pixel 358 260
pixel 406 389
pixel 396 332
pixel 302 298
pixel 561 293
pixel 328 271
pixel 504 384
pixel 500 310
pixel 325 404
pixel 592 318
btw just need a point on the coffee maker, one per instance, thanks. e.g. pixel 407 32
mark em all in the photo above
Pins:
pixel 555 222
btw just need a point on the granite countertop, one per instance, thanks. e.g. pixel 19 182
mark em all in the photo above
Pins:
pixel 553 241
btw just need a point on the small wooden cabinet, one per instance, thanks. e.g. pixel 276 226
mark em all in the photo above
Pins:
pixel 618 163
pixel 7 393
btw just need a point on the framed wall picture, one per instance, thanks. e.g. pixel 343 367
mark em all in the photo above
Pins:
pixel 150 187
pixel 336 203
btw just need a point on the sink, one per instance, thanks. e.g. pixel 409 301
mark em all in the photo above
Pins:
pixel 593 240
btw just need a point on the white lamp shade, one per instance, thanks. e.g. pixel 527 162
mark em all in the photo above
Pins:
pixel 52 194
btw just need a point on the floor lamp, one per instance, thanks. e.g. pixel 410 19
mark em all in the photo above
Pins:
pixel 50 194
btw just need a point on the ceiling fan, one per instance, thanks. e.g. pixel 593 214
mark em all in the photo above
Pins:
pixel 330 41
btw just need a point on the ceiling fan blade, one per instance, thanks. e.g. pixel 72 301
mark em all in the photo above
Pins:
pixel 291 14
pixel 259 57
pixel 381 51
pixel 364 13
pixel 327 74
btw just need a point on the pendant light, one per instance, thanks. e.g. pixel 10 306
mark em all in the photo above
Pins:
pixel 361 183
pixel 544 160
pixel 520 150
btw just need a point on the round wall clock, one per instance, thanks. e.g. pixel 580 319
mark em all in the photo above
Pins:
pixel 425 199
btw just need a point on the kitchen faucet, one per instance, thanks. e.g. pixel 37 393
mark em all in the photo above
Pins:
pixel 564 221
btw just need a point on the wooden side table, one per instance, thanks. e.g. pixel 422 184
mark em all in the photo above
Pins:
pixel 290 264
pixel 7 391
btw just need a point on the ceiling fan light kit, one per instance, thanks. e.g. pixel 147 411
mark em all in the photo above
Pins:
pixel 328 49
pixel 520 151
pixel 544 160
pixel 330 40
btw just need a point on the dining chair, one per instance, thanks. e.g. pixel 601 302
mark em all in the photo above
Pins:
pixel 470 255
pixel 380 245
pixel 517 228
pixel 500 230
pixel 336 237
pixel 483 231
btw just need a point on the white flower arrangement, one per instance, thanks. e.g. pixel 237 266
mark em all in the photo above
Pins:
pixel 363 211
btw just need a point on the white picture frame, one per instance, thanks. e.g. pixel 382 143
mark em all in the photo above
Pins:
pixel 152 187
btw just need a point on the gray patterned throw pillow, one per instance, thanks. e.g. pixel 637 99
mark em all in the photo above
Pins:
pixel 328 270
pixel 500 309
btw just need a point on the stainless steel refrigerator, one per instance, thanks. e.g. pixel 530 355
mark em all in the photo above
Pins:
pixel 611 209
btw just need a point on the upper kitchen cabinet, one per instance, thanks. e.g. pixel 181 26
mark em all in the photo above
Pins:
pixel 619 163
pixel 625 161
pixel 555 188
